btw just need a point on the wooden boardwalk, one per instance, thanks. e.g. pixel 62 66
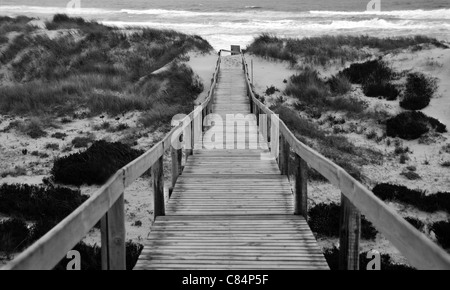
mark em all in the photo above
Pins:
pixel 231 208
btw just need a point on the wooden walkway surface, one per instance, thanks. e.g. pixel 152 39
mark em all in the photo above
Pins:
pixel 231 208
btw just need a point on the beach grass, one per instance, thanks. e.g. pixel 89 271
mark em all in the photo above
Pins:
pixel 323 50
pixel 99 68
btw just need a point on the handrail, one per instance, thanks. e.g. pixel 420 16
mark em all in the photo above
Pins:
pixel 420 251
pixel 107 203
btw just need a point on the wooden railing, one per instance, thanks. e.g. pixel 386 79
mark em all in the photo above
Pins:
pixel 107 203
pixel 420 251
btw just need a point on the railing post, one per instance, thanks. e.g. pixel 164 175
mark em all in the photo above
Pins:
pixel 176 155
pixel 188 140
pixel 274 136
pixel 158 188
pixel 349 235
pixel 283 158
pixel 113 250
pixel 301 187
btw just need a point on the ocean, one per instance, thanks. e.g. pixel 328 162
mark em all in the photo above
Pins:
pixel 225 22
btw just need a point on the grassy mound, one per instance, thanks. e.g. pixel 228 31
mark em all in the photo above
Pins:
pixel 419 91
pixel 324 220
pixel 96 67
pixel 412 125
pixel 95 165
pixel 416 198
pixel 327 49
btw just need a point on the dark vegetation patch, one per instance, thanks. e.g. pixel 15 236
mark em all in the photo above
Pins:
pixel 95 165
pixel 411 125
pixel 271 90
pixel 417 198
pixel 442 231
pixel 360 73
pixel 32 202
pixel 327 49
pixel 375 76
pixel 418 224
pixel 13 235
pixel 324 220
pixel 419 91
pixel 332 257
pixel 59 135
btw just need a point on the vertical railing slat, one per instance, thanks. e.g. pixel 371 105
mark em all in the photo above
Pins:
pixel 301 187
pixel 113 237
pixel 349 235
pixel 158 188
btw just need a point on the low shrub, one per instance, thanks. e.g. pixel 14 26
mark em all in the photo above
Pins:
pixel 52 146
pixel 332 257
pixel 412 125
pixel 360 73
pixel 14 235
pixel 271 90
pixel 418 224
pixel 339 85
pixel 442 232
pixel 380 89
pixel 59 135
pixel 419 91
pixel 417 198
pixel 95 165
pixel 307 87
pixel 324 220
pixel 33 202
pixel 411 175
